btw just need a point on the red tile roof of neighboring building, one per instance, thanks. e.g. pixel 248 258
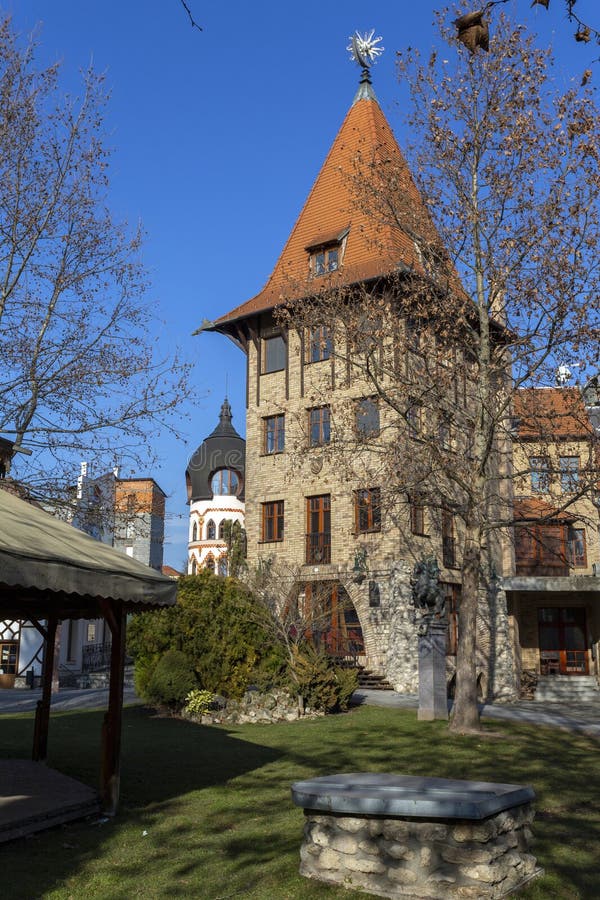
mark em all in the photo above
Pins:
pixel 170 572
pixel 552 413
pixel 363 151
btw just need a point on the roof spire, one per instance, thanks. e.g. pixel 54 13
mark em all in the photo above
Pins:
pixel 225 416
pixel 364 51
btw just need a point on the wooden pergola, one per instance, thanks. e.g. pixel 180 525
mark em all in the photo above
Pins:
pixel 50 571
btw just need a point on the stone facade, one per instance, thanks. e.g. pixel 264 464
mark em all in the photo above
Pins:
pixel 290 377
pixel 407 857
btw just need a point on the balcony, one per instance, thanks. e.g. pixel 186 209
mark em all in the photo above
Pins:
pixel 541 550
pixel 318 548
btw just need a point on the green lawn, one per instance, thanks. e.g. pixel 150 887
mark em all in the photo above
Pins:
pixel 216 806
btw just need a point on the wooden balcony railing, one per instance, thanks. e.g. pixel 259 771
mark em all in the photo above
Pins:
pixel 318 547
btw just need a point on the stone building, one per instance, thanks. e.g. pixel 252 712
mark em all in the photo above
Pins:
pixel 321 522
pixel 554 596
pixel 215 479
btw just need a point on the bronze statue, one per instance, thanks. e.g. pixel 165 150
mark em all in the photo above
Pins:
pixel 427 594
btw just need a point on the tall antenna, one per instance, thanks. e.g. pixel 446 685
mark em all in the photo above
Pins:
pixel 226 385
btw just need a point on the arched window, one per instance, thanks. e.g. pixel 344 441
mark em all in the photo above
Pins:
pixel 223 565
pixel 194 566
pixel 222 528
pixel 195 531
pixel 209 564
pixel 225 481
pixel 211 531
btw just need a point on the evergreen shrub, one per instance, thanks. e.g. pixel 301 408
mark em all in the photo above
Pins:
pixel 171 681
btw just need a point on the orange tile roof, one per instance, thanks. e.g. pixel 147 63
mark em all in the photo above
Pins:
pixel 552 413
pixel 364 147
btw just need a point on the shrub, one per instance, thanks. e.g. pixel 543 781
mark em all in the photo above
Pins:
pixel 171 681
pixel 321 684
pixel 198 703
pixel 347 683
pixel 214 625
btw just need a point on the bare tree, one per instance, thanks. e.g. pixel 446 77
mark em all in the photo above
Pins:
pixel 81 373
pixel 472 27
pixel 507 287
pixel 295 612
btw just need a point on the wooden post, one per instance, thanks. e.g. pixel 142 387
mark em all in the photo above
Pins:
pixel 56 659
pixel 42 713
pixel 111 729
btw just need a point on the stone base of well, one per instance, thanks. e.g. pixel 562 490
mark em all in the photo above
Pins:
pixel 415 856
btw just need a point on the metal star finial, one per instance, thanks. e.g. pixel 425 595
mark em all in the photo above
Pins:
pixel 363 48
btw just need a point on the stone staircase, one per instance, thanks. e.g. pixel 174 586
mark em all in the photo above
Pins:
pixel 567 689
pixel 371 681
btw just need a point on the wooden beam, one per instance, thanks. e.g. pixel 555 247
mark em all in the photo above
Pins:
pixel 39 627
pixel 42 713
pixel 111 729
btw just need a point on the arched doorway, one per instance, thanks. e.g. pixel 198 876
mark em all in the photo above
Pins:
pixel 335 626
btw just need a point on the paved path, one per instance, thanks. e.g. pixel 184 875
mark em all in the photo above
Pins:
pixel 12 701
pixel 583 718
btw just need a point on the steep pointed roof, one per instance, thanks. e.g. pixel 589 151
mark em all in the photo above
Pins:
pixel 345 203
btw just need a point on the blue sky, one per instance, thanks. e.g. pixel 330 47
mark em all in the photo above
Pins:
pixel 218 136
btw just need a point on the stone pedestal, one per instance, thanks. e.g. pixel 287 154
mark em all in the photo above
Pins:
pixel 406 837
pixel 433 703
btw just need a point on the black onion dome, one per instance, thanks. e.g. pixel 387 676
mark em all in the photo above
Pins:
pixel 222 449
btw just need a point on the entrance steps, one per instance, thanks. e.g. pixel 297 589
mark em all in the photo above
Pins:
pixel 372 681
pixel 567 689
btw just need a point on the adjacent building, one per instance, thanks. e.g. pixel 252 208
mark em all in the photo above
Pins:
pixel 216 481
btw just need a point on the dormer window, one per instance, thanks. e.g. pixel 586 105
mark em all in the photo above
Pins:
pixel 325 261
pixel 326 253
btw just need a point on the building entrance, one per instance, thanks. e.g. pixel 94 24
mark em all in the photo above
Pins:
pixel 563 641
pixel 336 627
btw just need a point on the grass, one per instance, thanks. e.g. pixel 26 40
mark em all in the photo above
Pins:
pixel 215 802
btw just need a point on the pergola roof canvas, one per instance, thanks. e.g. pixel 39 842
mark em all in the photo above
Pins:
pixel 55 568
pixel 51 571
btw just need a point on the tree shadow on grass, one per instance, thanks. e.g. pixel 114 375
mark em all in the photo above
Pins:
pixel 206 812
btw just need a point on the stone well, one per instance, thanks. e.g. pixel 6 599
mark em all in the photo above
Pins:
pixel 402 836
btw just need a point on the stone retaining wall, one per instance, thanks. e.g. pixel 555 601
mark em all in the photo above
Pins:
pixel 273 706
pixel 408 857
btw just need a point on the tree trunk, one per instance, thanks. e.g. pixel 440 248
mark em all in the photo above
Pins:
pixel 465 713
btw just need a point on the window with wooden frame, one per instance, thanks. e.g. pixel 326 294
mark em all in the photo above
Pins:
pixel 319 426
pixel 452 594
pixel 274 354
pixel 414 418
pixel 412 332
pixel 324 260
pixel 448 540
pixel 272 521
pixel 445 432
pixel 576 548
pixel 9 655
pixel 318 345
pixel 539 469
pixel 318 529
pixel 367 510
pixel 417 514
pixel 274 434
pixel 569 474
pixel 367 417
